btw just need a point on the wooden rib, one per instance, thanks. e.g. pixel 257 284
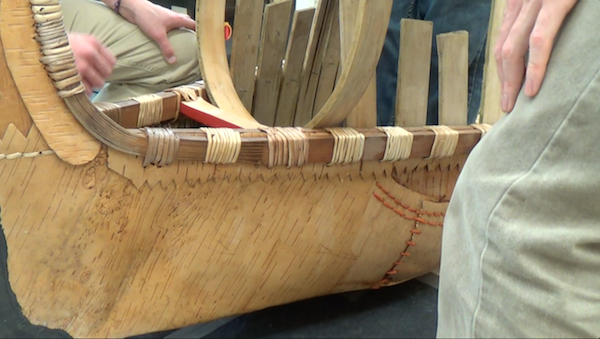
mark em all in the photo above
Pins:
pixel 369 35
pixel 453 51
pixel 292 70
pixel 414 67
pixel 272 51
pixel 491 110
pixel 210 16
pixel 364 114
pixel 244 48
pixel 331 60
pixel 311 65
pixel 71 142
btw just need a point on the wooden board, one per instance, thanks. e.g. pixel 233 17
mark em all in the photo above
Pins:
pixel 210 17
pixel 491 111
pixel 71 142
pixel 414 67
pixel 368 38
pixel 331 60
pixel 274 38
pixel 364 115
pixel 313 62
pixel 292 70
pixel 244 49
pixel 453 51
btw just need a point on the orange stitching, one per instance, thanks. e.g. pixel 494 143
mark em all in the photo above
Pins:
pixel 403 215
pixel 380 283
pixel 414 232
pixel 397 201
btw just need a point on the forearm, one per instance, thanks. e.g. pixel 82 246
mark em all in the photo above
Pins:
pixel 126 8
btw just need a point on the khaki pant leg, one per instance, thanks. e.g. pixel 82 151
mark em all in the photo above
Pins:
pixel 521 243
pixel 140 68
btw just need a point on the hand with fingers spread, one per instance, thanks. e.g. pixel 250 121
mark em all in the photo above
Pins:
pixel 156 21
pixel 93 60
pixel 529 27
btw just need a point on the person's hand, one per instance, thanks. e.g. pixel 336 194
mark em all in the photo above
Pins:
pixel 92 59
pixel 530 26
pixel 156 21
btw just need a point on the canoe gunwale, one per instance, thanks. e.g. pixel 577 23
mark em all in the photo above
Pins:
pixel 193 143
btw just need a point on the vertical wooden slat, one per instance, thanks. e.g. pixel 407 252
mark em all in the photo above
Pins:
pixel 292 70
pixel 414 67
pixel 331 60
pixel 491 110
pixel 453 51
pixel 364 114
pixel 272 51
pixel 244 49
pixel 360 64
pixel 212 55
pixel 311 65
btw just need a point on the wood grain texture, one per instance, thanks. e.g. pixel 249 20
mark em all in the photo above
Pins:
pixel 414 67
pixel 364 114
pixel 292 70
pixel 274 38
pixel 210 17
pixel 491 111
pixel 369 35
pixel 70 141
pixel 189 247
pixel 453 51
pixel 244 49
pixel 311 70
pixel 328 73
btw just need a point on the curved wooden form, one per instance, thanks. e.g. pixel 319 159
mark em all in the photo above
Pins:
pixel 360 61
pixel 99 245
pixel 210 17
pixel 363 54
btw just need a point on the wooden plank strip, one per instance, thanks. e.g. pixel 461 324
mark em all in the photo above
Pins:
pixel 491 111
pixel 306 93
pixel 272 51
pixel 244 49
pixel 414 67
pixel 453 51
pixel 292 70
pixel 368 38
pixel 331 61
pixel 210 17
pixel 364 115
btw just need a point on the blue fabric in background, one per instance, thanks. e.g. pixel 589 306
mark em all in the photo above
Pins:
pixel 447 16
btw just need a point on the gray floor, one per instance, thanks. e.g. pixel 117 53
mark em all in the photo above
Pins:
pixel 405 311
